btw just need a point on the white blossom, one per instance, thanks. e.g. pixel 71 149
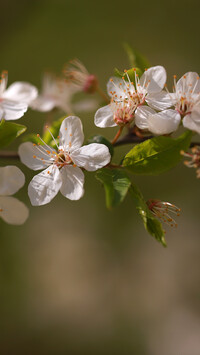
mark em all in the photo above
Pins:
pixel 62 166
pixel 14 101
pixel 127 97
pixel 186 98
pixel 55 93
pixel 12 210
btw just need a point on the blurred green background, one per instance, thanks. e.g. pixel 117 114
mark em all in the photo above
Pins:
pixel 76 278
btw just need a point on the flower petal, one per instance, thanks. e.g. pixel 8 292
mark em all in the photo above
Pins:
pixel 192 120
pixel 155 77
pixel 117 86
pixel 21 92
pixel 92 156
pixel 160 101
pixel 164 122
pixel 72 182
pixel 13 211
pixel 12 109
pixel 11 180
pixel 141 116
pixel 188 82
pixel 71 133
pixel 104 117
pixel 43 104
pixel 45 186
pixel 32 156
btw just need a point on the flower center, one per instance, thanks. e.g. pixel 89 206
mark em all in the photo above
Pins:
pixel 123 114
pixel 62 159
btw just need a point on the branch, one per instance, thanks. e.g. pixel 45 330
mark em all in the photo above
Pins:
pixel 131 138
pixel 193 144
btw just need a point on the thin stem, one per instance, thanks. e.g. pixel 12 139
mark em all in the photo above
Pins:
pixel 117 135
pixel 102 94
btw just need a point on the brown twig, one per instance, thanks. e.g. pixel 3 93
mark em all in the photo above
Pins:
pixel 131 138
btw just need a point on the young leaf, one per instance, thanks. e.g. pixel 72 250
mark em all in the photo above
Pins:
pixel 151 224
pixel 116 184
pixel 136 59
pixel 9 131
pixel 101 140
pixel 156 155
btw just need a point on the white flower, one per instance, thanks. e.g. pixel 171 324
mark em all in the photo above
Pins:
pixel 186 99
pixel 56 92
pixel 12 210
pixel 127 97
pixel 15 100
pixel 62 168
pixel 164 122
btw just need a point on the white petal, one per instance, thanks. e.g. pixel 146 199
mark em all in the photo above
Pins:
pixel 156 76
pixel 21 92
pixel 1 113
pixel 189 82
pixel 104 117
pixel 71 133
pixel 192 121
pixel 31 156
pixel 118 86
pixel 92 156
pixel 45 186
pixel 43 104
pixel 13 211
pixel 164 122
pixel 160 101
pixel 12 109
pixel 72 182
pixel 141 116
pixel 11 180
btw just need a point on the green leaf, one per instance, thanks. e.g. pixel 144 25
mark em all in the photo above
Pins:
pixel 116 184
pixel 136 59
pixel 9 131
pixel 156 155
pixel 54 129
pixel 101 140
pixel 151 224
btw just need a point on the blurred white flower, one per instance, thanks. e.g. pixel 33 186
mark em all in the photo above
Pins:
pixel 12 210
pixel 77 74
pixel 127 97
pixel 194 159
pixel 62 167
pixel 15 100
pixel 55 93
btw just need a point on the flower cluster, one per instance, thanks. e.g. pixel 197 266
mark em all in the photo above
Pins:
pixel 136 100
